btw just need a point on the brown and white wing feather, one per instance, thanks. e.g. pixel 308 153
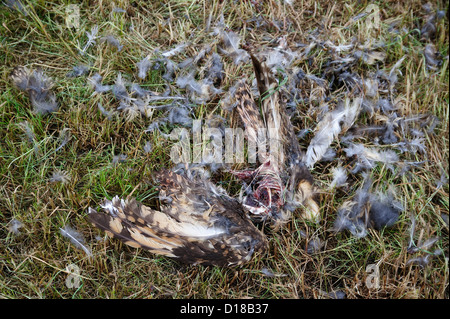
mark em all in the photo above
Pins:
pixel 217 233
pixel 250 115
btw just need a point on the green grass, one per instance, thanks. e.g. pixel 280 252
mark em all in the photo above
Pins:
pixel 33 263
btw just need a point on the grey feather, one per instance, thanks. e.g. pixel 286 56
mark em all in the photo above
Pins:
pixel 78 70
pixel 14 226
pixel 329 128
pixel 92 36
pixel 143 67
pixel 38 87
pixel 179 48
pixel 60 176
pixel 96 84
pixel 107 114
pixel 75 238
pixel 112 41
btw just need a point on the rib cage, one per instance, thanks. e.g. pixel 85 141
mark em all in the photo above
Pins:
pixel 281 177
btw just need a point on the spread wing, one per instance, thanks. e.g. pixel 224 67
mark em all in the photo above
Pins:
pixel 196 225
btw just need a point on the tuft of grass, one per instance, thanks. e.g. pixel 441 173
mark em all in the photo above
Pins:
pixel 33 264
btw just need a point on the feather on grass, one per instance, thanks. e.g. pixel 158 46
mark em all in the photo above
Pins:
pixel 38 87
pixel 329 128
pixel 75 238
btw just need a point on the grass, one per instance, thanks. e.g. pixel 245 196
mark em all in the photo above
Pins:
pixel 33 263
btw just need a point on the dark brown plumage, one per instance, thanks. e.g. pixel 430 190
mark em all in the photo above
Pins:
pixel 281 177
pixel 198 223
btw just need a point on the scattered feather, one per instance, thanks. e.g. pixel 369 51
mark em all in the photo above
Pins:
pixel 170 70
pixel 359 16
pixel 201 55
pixel 187 62
pixel 60 176
pixel 267 272
pixel 413 146
pixel 169 67
pixel 370 57
pixel 444 217
pixel 396 66
pixel 338 294
pixel 314 246
pixel 385 106
pixel 107 114
pixel 189 83
pixel 231 48
pixel 329 128
pixel 16 5
pixel 143 67
pixel 339 177
pixel 351 215
pixel 112 41
pixel 367 210
pixel 229 102
pixel 75 238
pixel 92 36
pixel 412 230
pixel 200 91
pixel 153 127
pixel 428 29
pixel 96 84
pixel 64 137
pixel 38 87
pixel 14 226
pixel 78 70
pixel 443 180
pixel 370 87
pixel 384 211
pixel 179 48
pixel 119 90
pixel 138 91
pixel 121 158
pixel 330 155
pixel 148 147
pixel 424 260
pixel 339 48
pixel 215 72
pixel 29 133
pixel 366 157
pixel 432 57
pixel 180 115
pixel 119 10
pixel 280 58
pixel 427 244
pixel 421 261
pixel 421 246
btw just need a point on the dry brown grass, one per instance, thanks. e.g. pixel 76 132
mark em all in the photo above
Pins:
pixel 33 263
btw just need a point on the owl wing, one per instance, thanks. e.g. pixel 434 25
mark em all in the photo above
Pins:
pixel 217 233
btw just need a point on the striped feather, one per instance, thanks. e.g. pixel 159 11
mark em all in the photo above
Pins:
pixel 249 113
pixel 199 225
